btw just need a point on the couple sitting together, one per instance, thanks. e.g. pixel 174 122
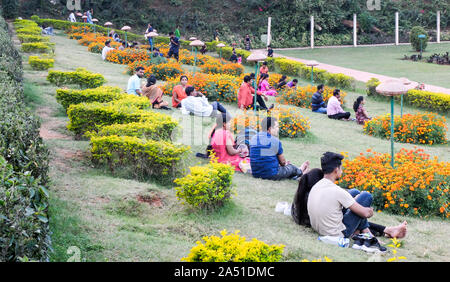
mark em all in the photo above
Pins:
pixel 333 211
pixel 265 150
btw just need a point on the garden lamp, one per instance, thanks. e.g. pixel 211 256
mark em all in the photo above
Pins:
pixel 108 24
pixel 220 45
pixel 408 84
pixel 392 88
pixel 421 38
pixel 256 57
pixel 312 64
pixel 192 39
pixel 196 43
pixel 152 34
pixel 126 28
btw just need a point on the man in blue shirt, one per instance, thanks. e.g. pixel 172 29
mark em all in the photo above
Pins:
pixel 266 155
pixel 317 103
pixel 134 83
pixel 174 46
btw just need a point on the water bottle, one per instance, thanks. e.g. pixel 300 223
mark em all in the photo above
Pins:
pixel 334 240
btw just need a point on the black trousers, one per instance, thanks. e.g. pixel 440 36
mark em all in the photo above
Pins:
pixel 340 116
pixel 260 101
pixel 287 172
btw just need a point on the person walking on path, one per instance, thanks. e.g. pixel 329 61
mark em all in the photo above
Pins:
pixel 247 42
pixel 174 46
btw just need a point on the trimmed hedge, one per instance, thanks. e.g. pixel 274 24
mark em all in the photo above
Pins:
pixel 26 38
pixel 37 63
pixel 82 77
pixel 103 94
pixel 145 130
pixel 37 47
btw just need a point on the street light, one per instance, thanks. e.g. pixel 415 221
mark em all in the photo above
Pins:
pixel 256 57
pixel 407 83
pixel 392 88
pixel 421 37
pixel 108 24
pixel 151 35
pixel 196 43
pixel 126 28
pixel 192 39
pixel 220 45
pixel 312 64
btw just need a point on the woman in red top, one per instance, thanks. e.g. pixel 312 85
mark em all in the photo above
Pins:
pixel 179 92
pixel 264 69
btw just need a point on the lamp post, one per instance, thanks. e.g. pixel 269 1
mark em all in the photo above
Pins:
pixel 312 64
pixel 220 45
pixel 421 38
pixel 126 28
pixel 256 57
pixel 108 24
pixel 407 83
pixel 392 88
pixel 192 39
pixel 196 43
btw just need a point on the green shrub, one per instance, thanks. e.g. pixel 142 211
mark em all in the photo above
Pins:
pixel 82 77
pixel 10 8
pixel 103 94
pixel 428 100
pixel 37 47
pixel 145 130
pixel 233 248
pixel 29 30
pixel 289 67
pixel 27 38
pixel 414 39
pixel 371 86
pixel 37 63
pixel 144 158
pixel 206 187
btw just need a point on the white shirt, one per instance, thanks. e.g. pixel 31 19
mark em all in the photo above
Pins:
pixel 72 18
pixel 105 51
pixel 134 83
pixel 199 106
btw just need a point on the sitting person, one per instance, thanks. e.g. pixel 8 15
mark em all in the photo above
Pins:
pixel 336 212
pixel 266 155
pixel 246 98
pixel 293 83
pixel 264 69
pixel 123 46
pixel 197 104
pixel 281 83
pixel 223 145
pixel 269 52
pixel 265 87
pixel 234 57
pixel 114 35
pixel 334 109
pixel 317 103
pixel 134 83
pixel 203 50
pixel 299 208
pixel 179 92
pixel 361 114
pixel 106 49
pixel 154 94
pixel 239 60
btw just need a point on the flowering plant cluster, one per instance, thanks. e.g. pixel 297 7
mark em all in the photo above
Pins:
pixel 301 96
pixel 233 248
pixel 417 186
pixel 425 128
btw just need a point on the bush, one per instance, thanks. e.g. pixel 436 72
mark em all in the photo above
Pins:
pixel 25 38
pixel 371 86
pixel 233 248
pixel 127 56
pixel 37 47
pixel 37 63
pixel 10 8
pixel 206 187
pixel 301 97
pixel 417 186
pixel 144 130
pixel 416 129
pixel 428 100
pixel 221 68
pixel 81 77
pixel 29 30
pixel 289 67
pixel 414 39
pixel 145 158
pixel 164 71
pixel 103 94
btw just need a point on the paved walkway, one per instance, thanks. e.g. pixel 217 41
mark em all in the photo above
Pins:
pixel 362 75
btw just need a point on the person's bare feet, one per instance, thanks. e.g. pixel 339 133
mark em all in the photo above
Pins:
pixel 398 231
pixel 305 167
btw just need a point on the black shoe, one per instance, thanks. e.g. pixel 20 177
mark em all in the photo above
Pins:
pixel 358 242
pixel 165 108
pixel 271 107
pixel 373 246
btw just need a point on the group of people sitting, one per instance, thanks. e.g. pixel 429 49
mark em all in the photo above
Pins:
pixel 334 109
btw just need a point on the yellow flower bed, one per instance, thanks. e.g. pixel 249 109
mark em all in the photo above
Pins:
pixel 301 97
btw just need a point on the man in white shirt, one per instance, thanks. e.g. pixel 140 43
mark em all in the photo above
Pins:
pixel 72 18
pixel 336 212
pixel 197 104
pixel 134 83
pixel 106 49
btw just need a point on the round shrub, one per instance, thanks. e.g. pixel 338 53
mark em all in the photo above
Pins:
pixel 425 128
pixel 37 63
pixel 415 40
pixel 233 248
pixel 206 187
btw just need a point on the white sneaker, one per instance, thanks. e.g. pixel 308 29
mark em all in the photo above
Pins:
pixel 281 206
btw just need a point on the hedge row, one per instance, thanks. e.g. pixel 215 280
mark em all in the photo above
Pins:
pixel 30 35
pixel 24 229
pixel 82 77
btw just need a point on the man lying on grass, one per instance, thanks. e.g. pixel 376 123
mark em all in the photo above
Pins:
pixel 336 212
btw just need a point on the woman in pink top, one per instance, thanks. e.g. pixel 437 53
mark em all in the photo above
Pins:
pixel 265 87
pixel 222 143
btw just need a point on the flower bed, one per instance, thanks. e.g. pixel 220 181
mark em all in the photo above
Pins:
pixel 301 97
pixel 233 248
pixel 416 129
pixel 417 185
pixel 291 123
pixel 220 68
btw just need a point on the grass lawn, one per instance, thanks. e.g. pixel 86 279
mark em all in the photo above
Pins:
pixel 383 60
pixel 102 216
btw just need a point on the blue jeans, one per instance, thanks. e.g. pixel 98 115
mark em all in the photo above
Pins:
pixel 353 221
pixel 150 42
pixel 320 110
